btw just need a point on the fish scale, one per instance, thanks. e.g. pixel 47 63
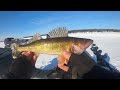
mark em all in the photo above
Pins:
pixel 54 45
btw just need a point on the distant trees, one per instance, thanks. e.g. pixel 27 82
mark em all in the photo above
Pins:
pixel 94 30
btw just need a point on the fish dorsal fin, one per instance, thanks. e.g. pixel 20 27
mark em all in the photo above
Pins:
pixel 58 32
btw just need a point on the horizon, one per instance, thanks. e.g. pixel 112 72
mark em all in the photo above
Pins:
pixel 80 30
pixel 26 23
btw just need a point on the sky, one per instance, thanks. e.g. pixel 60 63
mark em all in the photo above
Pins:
pixel 19 24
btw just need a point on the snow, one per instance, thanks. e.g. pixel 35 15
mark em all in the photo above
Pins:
pixel 108 42
pixel 46 61
pixel 2 45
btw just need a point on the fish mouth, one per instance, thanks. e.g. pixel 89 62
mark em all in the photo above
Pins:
pixel 88 44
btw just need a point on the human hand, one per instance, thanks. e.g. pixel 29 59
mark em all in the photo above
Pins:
pixel 61 60
pixel 31 56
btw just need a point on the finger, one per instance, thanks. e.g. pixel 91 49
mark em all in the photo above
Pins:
pixel 66 54
pixel 24 53
pixel 33 57
pixel 61 59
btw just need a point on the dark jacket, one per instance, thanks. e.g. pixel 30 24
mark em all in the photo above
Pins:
pixel 80 64
pixel 21 68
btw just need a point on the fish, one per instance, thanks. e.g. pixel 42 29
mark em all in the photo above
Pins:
pixel 54 45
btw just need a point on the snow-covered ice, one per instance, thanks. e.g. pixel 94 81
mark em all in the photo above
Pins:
pixel 2 45
pixel 46 61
